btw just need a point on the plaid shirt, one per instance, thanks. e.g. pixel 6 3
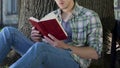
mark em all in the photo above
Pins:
pixel 86 31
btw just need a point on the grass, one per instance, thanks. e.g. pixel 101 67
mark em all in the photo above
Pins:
pixel 4 67
pixel 0 28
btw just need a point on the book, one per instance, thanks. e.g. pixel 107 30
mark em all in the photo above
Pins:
pixel 49 25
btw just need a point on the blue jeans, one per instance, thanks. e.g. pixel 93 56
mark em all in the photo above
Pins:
pixel 34 55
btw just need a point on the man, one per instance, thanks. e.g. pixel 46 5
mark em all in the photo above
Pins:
pixel 84 41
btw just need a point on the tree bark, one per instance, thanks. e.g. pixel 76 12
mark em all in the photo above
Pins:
pixel 35 8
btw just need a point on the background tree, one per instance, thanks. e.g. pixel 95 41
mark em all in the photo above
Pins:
pixel 35 8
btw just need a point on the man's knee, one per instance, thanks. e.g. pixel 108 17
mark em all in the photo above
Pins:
pixel 8 29
pixel 41 46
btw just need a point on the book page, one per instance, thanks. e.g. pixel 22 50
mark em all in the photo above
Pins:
pixel 49 16
pixel 34 19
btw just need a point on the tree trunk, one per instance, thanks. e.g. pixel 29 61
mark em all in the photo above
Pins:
pixel 36 8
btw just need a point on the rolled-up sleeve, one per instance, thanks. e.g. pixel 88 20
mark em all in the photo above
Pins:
pixel 95 33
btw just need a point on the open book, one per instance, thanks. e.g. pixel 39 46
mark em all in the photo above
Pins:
pixel 49 25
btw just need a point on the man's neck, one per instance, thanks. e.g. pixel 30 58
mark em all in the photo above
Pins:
pixel 66 16
pixel 68 9
pixel 66 13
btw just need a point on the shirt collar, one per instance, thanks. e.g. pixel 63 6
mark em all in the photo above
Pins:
pixel 77 9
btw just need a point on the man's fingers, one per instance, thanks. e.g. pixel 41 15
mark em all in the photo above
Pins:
pixel 36 35
pixel 49 40
pixel 33 28
pixel 36 38
pixel 52 37
pixel 34 31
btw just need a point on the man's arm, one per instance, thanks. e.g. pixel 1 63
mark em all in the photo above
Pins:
pixel 84 52
pixel 94 40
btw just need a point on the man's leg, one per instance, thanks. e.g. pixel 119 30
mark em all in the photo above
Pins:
pixel 11 37
pixel 42 55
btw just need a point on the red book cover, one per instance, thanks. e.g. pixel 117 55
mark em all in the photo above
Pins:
pixel 51 26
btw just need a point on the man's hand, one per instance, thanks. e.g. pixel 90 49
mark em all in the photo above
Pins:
pixel 35 35
pixel 55 42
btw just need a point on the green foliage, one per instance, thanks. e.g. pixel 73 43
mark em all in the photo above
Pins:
pixel 4 66
pixel 0 29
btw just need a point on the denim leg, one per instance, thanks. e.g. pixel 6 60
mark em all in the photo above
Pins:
pixel 42 55
pixel 11 37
